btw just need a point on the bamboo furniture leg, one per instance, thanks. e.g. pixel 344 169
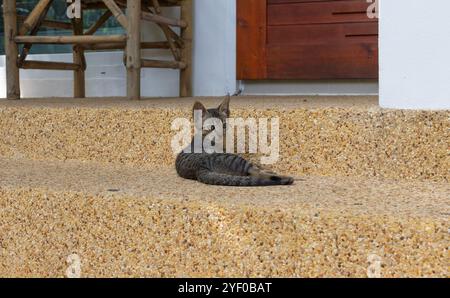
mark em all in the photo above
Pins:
pixel 133 50
pixel 79 82
pixel 186 51
pixel 11 50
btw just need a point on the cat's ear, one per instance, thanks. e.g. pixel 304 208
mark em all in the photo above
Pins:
pixel 225 106
pixel 198 106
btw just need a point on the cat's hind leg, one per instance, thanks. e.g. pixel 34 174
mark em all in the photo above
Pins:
pixel 213 178
pixel 235 165
pixel 268 175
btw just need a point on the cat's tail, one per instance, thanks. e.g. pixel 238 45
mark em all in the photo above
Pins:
pixel 214 178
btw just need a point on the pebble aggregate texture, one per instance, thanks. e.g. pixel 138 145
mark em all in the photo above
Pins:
pixel 95 178
pixel 318 136
pixel 127 222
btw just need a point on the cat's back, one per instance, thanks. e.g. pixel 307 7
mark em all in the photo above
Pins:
pixel 188 164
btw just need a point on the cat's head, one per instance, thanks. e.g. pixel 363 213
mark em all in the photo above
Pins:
pixel 222 112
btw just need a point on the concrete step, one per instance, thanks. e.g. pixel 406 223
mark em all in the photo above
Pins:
pixel 125 220
pixel 326 136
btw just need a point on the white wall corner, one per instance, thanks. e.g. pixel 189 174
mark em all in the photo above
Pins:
pixel 414 54
pixel 214 47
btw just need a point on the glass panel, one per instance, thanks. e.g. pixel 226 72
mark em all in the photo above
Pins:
pixel 57 12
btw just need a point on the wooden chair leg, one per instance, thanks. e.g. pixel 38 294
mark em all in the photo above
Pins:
pixel 79 81
pixel 133 50
pixel 186 52
pixel 11 49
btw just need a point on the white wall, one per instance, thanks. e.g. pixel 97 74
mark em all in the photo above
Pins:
pixel 415 54
pixel 105 76
pixel 214 47
pixel 214 56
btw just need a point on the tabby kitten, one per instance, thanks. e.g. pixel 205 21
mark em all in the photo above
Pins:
pixel 223 168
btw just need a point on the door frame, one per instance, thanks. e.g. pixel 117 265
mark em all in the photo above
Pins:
pixel 251 47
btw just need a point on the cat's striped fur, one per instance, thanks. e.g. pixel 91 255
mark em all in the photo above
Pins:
pixel 223 168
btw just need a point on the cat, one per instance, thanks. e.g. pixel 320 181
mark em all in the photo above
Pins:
pixel 223 169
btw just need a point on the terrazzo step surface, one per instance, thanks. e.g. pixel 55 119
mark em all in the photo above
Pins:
pixel 324 136
pixel 124 220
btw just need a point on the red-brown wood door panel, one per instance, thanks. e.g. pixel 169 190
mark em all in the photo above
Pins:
pixel 309 39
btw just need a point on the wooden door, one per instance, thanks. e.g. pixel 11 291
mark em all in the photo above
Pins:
pixel 306 39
